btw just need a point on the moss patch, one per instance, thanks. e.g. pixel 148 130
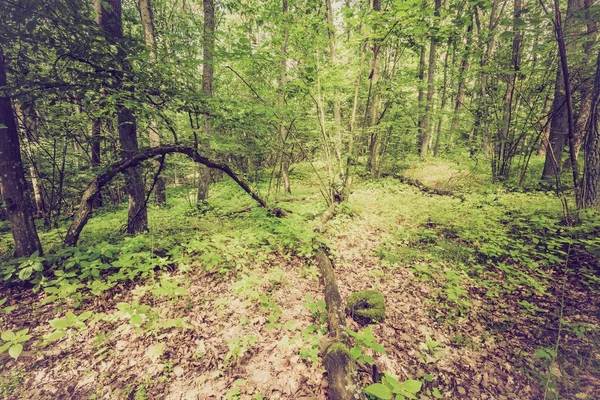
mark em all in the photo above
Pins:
pixel 366 307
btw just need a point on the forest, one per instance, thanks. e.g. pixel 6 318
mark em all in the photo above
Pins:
pixel 299 199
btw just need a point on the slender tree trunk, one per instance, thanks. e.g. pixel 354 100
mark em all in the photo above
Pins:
pixel 559 125
pixel 438 134
pixel 147 18
pixel 337 113
pixel 12 178
pixel 110 20
pixel 425 130
pixel 462 78
pixel 591 172
pixel 504 140
pixel 373 101
pixel 95 149
pixel 421 95
pixel 207 89
pixel 283 155
pixel 586 89
pixel 562 51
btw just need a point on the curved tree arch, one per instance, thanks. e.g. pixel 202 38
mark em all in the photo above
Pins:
pixel 84 212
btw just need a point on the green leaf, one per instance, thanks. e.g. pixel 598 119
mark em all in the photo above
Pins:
pixel 7 336
pixel 54 336
pixel 379 390
pixel 25 273
pixel 411 386
pixel 136 320
pixel 436 393
pixel 355 352
pixel 85 315
pixel 60 323
pixel 5 347
pixel 15 350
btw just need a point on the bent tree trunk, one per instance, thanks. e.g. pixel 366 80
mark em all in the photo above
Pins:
pixel 109 17
pixel 12 179
pixel 86 204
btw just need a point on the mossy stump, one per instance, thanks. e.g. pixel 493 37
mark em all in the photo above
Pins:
pixel 367 307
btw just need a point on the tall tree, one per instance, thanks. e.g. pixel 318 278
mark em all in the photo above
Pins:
pixel 425 129
pixel 503 156
pixel 147 18
pixel 207 89
pixel 109 12
pixel 591 172
pixel 12 177
pixel 559 124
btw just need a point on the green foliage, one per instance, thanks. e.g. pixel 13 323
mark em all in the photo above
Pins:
pixel 364 339
pixel 391 388
pixel 13 342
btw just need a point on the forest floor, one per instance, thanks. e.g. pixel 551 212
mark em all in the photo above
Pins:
pixel 481 302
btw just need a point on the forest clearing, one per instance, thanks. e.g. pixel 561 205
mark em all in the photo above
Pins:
pixel 299 199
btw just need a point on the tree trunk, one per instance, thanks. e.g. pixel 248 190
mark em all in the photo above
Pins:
pixel 559 125
pixel 372 105
pixel 110 20
pixel 147 18
pixel 283 155
pixel 504 156
pixel 337 113
pixel 591 172
pixel 207 89
pixel 95 149
pixel 421 94
pixel 12 178
pixel 425 130
pixel 462 78
pixel 438 134
pixel 562 51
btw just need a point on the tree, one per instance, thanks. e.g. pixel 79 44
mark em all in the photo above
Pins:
pixel 207 89
pixel 425 130
pixel 591 172
pixel 12 177
pixel 147 18
pixel 109 12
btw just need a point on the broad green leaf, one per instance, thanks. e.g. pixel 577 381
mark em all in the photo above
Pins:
pixel 60 323
pixel 411 386
pixel 54 336
pixel 7 336
pixel 5 347
pixel 379 390
pixel 15 350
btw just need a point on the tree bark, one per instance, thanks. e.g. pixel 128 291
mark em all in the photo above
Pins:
pixel 425 130
pixel 147 18
pixel 373 102
pixel 12 177
pixel 503 144
pixel 207 89
pixel 591 172
pixel 559 125
pixel 438 134
pixel 110 20
pixel 284 157
pixel 462 77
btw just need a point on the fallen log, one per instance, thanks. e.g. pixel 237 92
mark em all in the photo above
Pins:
pixel 86 204
pixel 424 188
pixel 342 369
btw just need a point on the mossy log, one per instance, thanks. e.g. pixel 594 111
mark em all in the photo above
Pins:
pixel 342 371
pixel 366 307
